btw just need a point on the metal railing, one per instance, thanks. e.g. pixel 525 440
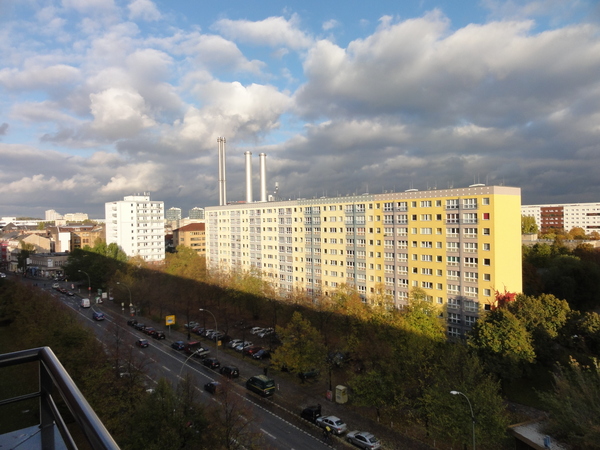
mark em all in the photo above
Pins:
pixel 53 376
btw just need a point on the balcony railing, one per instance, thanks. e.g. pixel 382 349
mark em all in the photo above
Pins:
pixel 53 379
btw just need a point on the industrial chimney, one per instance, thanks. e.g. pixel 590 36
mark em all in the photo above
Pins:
pixel 248 156
pixel 222 182
pixel 263 177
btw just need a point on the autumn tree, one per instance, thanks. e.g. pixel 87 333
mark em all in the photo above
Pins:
pixel 528 225
pixel 302 346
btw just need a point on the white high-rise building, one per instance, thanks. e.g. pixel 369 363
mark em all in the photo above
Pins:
pixel 136 224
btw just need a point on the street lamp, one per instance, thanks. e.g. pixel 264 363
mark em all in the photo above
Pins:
pixel 216 332
pixel 472 415
pixel 130 302
pixel 89 285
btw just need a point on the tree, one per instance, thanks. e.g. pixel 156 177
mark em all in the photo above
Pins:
pixel 503 343
pixel 576 233
pixel 302 346
pixel 448 416
pixel 574 405
pixel 544 317
pixel 528 225
pixel 26 250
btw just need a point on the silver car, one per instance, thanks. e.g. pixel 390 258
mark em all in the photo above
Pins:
pixel 335 424
pixel 363 439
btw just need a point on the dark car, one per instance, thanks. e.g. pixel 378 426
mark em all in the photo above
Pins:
pixel 309 374
pixel 178 345
pixel 311 413
pixel 159 335
pixel 230 371
pixel 132 322
pixel 149 330
pixel 262 354
pixel 252 350
pixel 211 363
pixel 139 326
pixel 98 316
pixel 213 387
pixel 142 343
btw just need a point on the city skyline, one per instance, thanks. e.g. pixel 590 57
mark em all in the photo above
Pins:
pixel 105 98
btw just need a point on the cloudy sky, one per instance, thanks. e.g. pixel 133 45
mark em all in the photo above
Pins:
pixel 105 98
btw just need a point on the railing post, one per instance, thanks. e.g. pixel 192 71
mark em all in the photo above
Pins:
pixel 46 416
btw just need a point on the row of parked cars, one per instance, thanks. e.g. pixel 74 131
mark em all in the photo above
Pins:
pixel 335 425
pixel 150 331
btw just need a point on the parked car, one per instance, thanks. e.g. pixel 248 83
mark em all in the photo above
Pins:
pixel 178 345
pixel 98 316
pixel 262 354
pixel 336 424
pixel 214 387
pixel 230 371
pixel 142 343
pixel 132 322
pixel 311 413
pixel 309 374
pixel 211 363
pixel 190 324
pixel 363 439
pixel 70 293
pixel 261 384
pixel 55 286
pixel 234 343
pixel 242 346
pixel 139 326
pixel 149 330
pixel 251 350
pixel 159 335
pixel 266 332
pixel 256 330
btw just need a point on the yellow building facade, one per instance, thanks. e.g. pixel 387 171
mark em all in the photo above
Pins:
pixel 458 246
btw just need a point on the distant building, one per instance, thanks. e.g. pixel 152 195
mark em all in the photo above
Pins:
pixel 173 214
pixel 52 215
pixel 193 236
pixel 136 224
pixel 196 213
pixel 69 237
pixel 75 217
pixel 565 216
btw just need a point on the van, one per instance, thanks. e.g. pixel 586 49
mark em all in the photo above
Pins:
pixel 261 384
pixel 85 303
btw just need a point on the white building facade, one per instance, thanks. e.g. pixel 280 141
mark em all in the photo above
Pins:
pixel 565 216
pixel 136 224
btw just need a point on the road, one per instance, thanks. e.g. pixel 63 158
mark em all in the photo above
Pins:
pixel 280 428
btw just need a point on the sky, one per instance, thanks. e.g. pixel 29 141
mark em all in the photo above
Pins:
pixel 100 99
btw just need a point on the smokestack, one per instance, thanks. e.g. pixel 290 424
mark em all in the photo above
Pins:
pixel 248 156
pixel 263 177
pixel 222 182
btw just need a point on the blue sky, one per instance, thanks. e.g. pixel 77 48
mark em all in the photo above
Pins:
pixel 105 98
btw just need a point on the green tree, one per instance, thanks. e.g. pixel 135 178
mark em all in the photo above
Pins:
pixel 574 405
pixel 302 346
pixel 26 250
pixel 503 343
pixel 448 416
pixel 528 225
pixel 544 317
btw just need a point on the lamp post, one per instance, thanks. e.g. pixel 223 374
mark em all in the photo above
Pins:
pixel 472 415
pixel 216 332
pixel 89 284
pixel 130 302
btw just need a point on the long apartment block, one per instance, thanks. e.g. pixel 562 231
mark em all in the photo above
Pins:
pixel 458 245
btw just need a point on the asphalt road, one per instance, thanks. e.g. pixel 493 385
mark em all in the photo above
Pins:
pixel 279 427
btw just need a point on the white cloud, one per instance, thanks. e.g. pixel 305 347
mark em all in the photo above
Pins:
pixel 330 24
pixel 89 6
pixel 272 31
pixel 143 9
pixel 36 77
pixel 119 113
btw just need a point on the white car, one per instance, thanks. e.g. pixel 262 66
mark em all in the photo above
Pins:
pixel 234 343
pixel 363 439
pixel 336 424
pixel 256 330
